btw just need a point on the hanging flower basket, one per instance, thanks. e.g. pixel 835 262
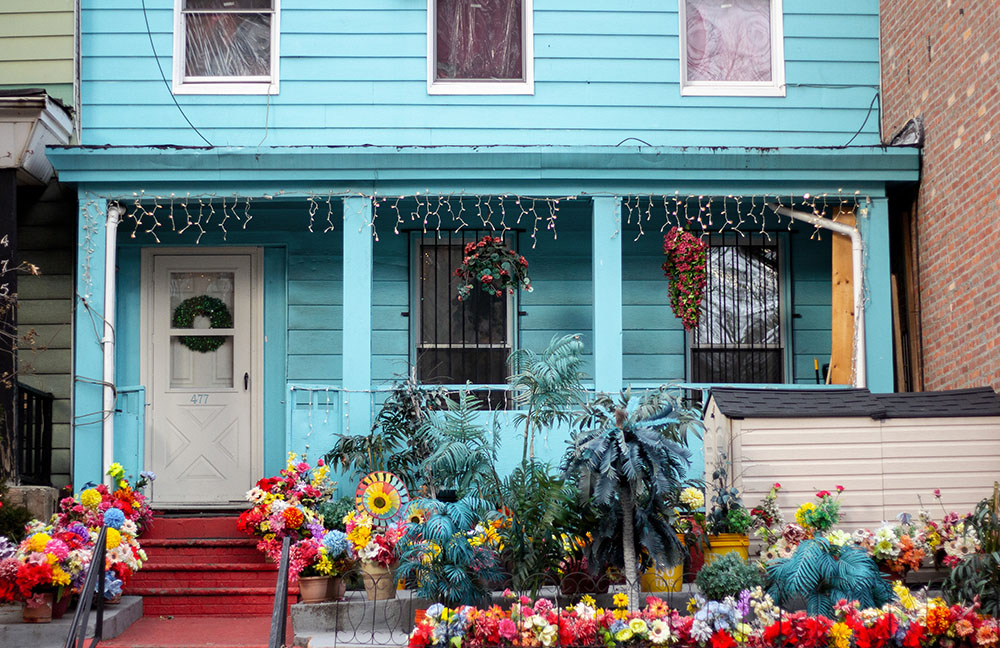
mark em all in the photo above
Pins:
pixel 218 316
pixel 492 267
pixel 687 256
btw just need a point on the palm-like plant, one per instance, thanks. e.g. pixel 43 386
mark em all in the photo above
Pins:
pixel 632 458
pixel 465 452
pixel 546 386
pixel 823 573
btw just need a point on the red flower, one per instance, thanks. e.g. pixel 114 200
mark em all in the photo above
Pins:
pixel 840 489
pixel 823 494
pixel 721 639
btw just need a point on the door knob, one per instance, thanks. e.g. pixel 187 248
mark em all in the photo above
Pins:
pixel 246 381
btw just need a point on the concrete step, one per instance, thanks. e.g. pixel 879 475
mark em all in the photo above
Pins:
pixel 209 601
pixel 198 575
pixel 14 632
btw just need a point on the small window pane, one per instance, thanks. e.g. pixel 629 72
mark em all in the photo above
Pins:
pixel 228 5
pixel 184 285
pixel 228 45
pixel 195 369
pixel 479 40
pixel 728 40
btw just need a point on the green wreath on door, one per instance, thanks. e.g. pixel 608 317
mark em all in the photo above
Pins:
pixel 218 315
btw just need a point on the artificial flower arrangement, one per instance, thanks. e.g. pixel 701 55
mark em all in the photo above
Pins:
pixel 91 504
pixel 751 619
pixel 286 506
pixel 124 556
pixel 767 517
pixel 894 547
pixel 949 540
pixel 491 266
pixel 370 545
pixel 328 555
pixel 820 516
pixel 50 560
pixel 687 257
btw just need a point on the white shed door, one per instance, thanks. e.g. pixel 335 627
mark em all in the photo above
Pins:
pixel 201 439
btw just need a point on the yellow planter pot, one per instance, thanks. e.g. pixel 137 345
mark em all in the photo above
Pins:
pixel 663 580
pixel 724 543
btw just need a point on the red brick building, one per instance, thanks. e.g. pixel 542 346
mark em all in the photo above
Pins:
pixel 941 62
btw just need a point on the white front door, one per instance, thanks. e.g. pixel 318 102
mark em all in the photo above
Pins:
pixel 203 323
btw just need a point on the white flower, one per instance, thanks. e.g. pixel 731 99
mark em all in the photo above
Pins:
pixel 659 633
pixel 838 538
pixel 548 635
pixel 256 495
pixel 584 611
pixel 129 528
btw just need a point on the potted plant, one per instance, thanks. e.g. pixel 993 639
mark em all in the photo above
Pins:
pixel 728 575
pixel 378 551
pixel 492 267
pixel 728 521
pixel 40 571
pixel 977 576
pixel 319 565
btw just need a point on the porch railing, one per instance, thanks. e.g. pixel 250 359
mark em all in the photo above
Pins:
pixel 34 435
pixel 279 615
pixel 93 584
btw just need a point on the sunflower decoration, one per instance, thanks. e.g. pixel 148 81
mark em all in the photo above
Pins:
pixel 383 496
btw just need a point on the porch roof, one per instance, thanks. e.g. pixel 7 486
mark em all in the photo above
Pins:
pixel 593 169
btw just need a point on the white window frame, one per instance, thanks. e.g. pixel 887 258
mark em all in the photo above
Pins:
pixel 773 88
pixel 223 85
pixel 525 86
pixel 416 239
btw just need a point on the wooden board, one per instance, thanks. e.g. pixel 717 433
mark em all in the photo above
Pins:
pixel 842 317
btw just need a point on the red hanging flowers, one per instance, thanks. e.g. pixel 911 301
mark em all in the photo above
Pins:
pixel 493 267
pixel 687 256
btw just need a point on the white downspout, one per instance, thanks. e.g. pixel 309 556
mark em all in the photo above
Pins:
pixel 108 342
pixel 857 258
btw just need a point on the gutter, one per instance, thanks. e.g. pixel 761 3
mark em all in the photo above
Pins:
pixel 857 258
pixel 108 341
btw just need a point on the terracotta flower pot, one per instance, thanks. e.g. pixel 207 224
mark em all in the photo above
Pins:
pixel 38 609
pixel 336 589
pixel 314 589
pixel 379 582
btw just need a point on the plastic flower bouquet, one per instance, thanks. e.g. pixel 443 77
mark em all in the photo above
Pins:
pixel 286 505
pixel 320 556
pixel 491 266
pixel 820 516
pixel 49 560
pixel 90 505
pixel 370 545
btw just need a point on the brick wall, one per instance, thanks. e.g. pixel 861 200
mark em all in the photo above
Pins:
pixel 941 61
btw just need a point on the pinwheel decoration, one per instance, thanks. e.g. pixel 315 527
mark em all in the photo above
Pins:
pixel 383 496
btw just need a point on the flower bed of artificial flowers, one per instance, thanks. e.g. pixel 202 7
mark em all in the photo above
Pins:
pixel 751 619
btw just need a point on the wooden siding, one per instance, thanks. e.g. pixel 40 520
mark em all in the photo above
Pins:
pixel 47 238
pixel 886 467
pixel 604 72
pixel 36 46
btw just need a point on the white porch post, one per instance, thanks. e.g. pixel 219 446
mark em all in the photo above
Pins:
pixel 357 314
pixel 607 273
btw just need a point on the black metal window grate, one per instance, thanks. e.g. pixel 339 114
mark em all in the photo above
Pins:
pixel 458 341
pixel 34 435
pixel 739 337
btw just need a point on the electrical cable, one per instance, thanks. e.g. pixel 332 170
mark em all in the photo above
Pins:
pixel 867 115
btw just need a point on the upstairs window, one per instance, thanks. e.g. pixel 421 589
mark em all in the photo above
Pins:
pixel 226 47
pixel 479 47
pixel 739 337
pixel 458 341
pixel 732 48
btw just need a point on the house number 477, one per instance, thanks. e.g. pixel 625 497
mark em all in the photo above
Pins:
pixel 199 399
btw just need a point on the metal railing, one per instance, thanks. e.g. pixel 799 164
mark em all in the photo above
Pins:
pixel 96 576
pixel 34 435
pixel 279 615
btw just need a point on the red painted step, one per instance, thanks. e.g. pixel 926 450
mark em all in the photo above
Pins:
pixel 220 550
pixel 206 575
pixel 208 601
pixel 196 632
pixel 223 526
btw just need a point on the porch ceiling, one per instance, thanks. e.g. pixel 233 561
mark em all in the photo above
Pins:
pixel 573 170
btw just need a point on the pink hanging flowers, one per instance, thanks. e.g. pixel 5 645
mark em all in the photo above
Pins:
pixel 493 267
pixel 687 256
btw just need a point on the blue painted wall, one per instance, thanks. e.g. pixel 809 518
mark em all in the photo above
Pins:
pixel 354 72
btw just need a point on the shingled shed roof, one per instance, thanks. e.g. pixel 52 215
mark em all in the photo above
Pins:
pixel 843 403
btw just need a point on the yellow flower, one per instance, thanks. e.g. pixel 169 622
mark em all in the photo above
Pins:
pixel 38 541
pixel 319 475
pixel 113 539
pixel 804 510
pixel 623 635
pixel 840 634
pixel 692 498
pixel 588 600
pixel 906 599
pixel 90 498
pixel 59 576
pixel 692 606
pixel 620 600
pixel 638 626
pixel 115 471
pixel 379 501
pixel 620 614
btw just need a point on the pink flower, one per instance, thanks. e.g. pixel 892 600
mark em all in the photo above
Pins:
pixel 937 493
pixel 507 629
pixel 777 485
pixel 840 489
pixel 525 600
pixel 823 494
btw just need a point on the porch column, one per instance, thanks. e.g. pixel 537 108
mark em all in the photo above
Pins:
pixel 607 269
pixel 88 353
pixel 357 314
pixel 874 224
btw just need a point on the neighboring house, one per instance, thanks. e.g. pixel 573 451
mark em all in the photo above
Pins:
pixel 317 169
pixel 941 65
pixel 38 228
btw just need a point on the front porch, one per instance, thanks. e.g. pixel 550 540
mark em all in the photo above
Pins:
pixel 339 266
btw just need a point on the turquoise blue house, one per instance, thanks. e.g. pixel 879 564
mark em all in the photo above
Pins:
pixel 275 194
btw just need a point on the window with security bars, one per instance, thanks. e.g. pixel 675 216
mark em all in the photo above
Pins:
pixel 458 341
pixel 739 337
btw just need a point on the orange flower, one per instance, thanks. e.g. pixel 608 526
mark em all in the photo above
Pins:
pixel 293 517
pixel 938 620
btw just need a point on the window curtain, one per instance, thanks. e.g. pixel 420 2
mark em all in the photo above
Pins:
pixel 479 39
pixel 728 40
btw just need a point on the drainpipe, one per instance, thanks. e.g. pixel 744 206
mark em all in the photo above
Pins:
pixel 857 254
pixel 108 342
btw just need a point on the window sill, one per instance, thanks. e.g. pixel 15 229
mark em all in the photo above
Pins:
pixel 481 88
pixel 225 88
pixel 733 90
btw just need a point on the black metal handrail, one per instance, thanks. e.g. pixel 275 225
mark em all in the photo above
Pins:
pixel 279 617
pixel 96 575
pixel 34 435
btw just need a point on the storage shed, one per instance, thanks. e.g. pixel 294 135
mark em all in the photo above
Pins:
pixel 889 451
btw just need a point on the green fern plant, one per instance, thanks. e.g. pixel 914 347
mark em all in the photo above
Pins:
pixel 823 573
pixel 546 386
pixel 728 575
pixel 465 452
